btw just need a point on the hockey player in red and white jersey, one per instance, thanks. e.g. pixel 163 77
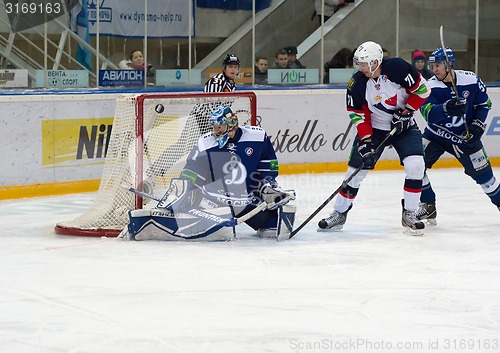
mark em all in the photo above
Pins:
pixel 381 98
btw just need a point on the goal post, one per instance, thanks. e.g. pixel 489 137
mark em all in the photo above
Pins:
pixel 151 136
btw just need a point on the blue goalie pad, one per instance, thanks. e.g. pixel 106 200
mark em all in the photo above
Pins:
pixel 160 224
pixel 286 219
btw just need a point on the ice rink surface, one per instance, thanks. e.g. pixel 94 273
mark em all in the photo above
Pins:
pixel 367 288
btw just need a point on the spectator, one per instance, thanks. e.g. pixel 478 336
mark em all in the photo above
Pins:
pixel 387 53
pixel 338 61
pixel 136 62
pixel 331 6
pixel 261 64
pixel 419 60
pixel 293 62
pixel 280 60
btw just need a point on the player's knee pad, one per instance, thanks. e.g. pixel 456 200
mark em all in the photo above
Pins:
pixel 414 167
pixel 161 224
pixel 356 181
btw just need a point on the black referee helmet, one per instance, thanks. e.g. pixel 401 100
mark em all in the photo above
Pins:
pixel 230 59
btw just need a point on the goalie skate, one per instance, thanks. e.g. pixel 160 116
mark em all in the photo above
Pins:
pixel 410 222
pixel 428 212
pixel 334 222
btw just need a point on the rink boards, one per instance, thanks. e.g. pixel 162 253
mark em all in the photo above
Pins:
pixel 55 143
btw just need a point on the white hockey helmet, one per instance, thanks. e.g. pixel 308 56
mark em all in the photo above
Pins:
pixel 368 52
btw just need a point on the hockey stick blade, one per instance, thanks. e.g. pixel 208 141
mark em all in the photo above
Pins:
pixel 344 183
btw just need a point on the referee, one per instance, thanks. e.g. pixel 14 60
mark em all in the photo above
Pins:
pixel 224 81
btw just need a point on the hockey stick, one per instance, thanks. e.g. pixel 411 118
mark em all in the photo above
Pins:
pixel 344 183
pixel 441 35
pixel 226 222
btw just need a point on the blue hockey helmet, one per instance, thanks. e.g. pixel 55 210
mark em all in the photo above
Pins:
pixel 439 55
pixel 223 115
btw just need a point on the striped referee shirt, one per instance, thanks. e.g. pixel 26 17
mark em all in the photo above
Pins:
pixel 219 83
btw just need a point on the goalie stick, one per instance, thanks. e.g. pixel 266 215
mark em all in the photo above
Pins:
pixel 344 183
pixel 226 222
pixel 441 35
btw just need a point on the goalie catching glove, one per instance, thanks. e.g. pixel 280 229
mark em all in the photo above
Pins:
pixel 275 196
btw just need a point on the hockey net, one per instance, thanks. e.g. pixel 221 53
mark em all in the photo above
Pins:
pixel 152 135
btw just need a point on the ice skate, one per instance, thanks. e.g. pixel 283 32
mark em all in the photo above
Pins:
pixel 427 211
pixel 334 222
pixel 410 222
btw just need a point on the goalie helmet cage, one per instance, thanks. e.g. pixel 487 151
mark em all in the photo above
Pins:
pixel 152 135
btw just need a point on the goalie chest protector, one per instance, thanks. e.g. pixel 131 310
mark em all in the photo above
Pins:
pixel 246 159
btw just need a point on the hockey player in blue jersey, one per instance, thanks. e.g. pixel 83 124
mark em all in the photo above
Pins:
pixel 455 112
pixel 382 96
pixel 229 173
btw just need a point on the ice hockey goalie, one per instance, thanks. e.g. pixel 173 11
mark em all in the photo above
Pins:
pixel 229 175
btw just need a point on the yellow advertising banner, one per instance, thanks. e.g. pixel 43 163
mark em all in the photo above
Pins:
pixel 74 142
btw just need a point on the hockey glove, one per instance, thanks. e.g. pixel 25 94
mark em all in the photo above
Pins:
pixel 455 107
pixel 366 149
pixel 401 121
pixel 275 196
pixel 476 130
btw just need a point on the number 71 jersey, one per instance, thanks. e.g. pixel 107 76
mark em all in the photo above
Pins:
pixel 372 102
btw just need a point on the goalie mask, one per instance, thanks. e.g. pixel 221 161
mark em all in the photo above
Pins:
pixel 223 122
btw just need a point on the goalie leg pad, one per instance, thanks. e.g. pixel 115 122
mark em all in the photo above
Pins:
pixel 178 195
pixel 160 224
pixel 285 218
pixel 264 219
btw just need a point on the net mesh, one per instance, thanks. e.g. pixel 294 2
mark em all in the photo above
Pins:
pixel 171 126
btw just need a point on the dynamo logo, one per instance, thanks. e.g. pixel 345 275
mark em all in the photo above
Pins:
pixel 105 13
pixel 456 121
pixel 237 171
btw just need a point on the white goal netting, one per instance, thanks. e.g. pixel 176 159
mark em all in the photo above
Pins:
pixel 152 135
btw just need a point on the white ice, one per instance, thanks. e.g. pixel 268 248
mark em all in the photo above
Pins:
pixel 367 288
